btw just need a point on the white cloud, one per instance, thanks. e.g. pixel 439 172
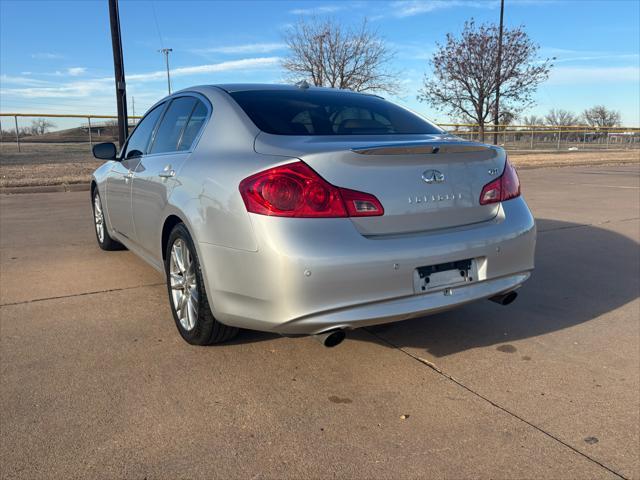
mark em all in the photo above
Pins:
pixel 244 64
pixel 409 8
pixel 245 48
pixel 32 88
pixel 323 9
pixel 591 58
pixel 582 75
pixel 76 71
pixel 22 80
pixel 65 90
pixel 46 56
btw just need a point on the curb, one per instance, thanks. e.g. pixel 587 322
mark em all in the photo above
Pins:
pixel 73 187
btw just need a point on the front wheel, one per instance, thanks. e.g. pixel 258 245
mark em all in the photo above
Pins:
pixel 102 234
pixel 189 303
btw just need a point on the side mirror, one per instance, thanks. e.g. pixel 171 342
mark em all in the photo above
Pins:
pixel 105 151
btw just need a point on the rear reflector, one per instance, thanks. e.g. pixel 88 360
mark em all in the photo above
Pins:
pixel 295 190
pixel 503 188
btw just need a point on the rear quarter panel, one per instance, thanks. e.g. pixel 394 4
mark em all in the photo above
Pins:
pixel 206 196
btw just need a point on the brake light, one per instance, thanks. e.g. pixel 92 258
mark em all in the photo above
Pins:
pixel 503 188
pixel 295 190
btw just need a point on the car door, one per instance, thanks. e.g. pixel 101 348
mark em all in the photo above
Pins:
pixel 119 180
pixel 155 176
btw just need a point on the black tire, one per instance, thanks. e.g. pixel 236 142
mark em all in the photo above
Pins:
pixel 106 242
pixel 207 330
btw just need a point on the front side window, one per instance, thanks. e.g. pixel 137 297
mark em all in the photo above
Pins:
pixel 322 112
pixel 172 125
pixel 139 139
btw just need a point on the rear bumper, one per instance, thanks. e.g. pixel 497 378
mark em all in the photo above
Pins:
pixel 312 275
pixel 403 308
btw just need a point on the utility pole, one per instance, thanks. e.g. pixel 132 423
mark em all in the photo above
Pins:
pixel 496 112
pixel 166 52
pixel 118 66
pixel 133 107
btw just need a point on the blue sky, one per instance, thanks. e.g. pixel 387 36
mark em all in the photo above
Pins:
pixel 56 57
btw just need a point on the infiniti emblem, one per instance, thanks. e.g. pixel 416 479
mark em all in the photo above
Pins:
pixel 433 176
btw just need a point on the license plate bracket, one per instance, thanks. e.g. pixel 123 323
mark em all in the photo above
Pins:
pixel 446 274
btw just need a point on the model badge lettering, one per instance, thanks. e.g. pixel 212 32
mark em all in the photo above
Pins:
pixel 434 198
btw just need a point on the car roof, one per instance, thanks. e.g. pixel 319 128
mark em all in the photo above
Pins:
pixel 243 87
pixel 247 87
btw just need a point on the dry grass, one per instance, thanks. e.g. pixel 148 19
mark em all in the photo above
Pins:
pixel 45 174
pixel 57 164
pixel 565 158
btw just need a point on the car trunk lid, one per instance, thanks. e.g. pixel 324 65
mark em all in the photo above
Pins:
pixel 424 184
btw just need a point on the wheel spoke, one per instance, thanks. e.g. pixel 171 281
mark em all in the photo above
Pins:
pixel 179 251
pixel 191 313
pixel 173 264
pixel 177 281
pixel 182 303
pixel 186 260
pixel 193 298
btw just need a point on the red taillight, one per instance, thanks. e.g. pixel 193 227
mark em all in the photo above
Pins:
pixel 295 190
pixel 360 204
pixel 505 187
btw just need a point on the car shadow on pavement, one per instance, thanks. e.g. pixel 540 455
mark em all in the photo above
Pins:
pixel 582 272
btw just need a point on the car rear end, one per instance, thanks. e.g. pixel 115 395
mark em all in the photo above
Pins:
pixel 368 214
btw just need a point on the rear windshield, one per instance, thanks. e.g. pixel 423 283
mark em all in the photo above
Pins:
pixel 314 112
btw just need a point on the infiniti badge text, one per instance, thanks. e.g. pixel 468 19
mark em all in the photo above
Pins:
pixel 435 198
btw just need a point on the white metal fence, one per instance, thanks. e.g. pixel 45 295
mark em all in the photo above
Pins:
pixel 21 130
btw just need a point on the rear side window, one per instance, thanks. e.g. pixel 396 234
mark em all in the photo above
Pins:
pixel 194 125
pixel 321 112
pixel 139 139
pixel 172 125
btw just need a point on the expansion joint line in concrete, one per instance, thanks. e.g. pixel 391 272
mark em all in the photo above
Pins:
pixel 81 294
pixel 444 374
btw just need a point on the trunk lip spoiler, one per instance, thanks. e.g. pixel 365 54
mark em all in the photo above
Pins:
pixel 416 148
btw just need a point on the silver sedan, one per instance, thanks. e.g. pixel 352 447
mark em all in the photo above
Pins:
pixel 310 211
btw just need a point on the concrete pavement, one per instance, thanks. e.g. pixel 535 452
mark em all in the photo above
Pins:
pixel 96 382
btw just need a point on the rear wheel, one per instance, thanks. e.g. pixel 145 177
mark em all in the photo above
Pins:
pixel 102 234
pixel 187 296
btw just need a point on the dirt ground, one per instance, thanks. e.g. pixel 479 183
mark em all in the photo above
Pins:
pixel 59 164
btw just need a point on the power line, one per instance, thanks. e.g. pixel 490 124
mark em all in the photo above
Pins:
pixel 162 50
pixel 155 18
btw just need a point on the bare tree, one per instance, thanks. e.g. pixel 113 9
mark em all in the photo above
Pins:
pixel 464 73
pixel 40 126
pixel 533 120
pixel 561 118
pixel 325 53
pixel 506 118
pixel 601 116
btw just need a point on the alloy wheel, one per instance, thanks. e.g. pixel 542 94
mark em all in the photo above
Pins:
pixel 184 286
pixel 98 217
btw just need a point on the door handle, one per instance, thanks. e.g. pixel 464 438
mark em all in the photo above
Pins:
pixel 168 172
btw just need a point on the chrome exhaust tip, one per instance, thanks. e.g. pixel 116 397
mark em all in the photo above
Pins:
pixel 331 338
pixel 504 298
